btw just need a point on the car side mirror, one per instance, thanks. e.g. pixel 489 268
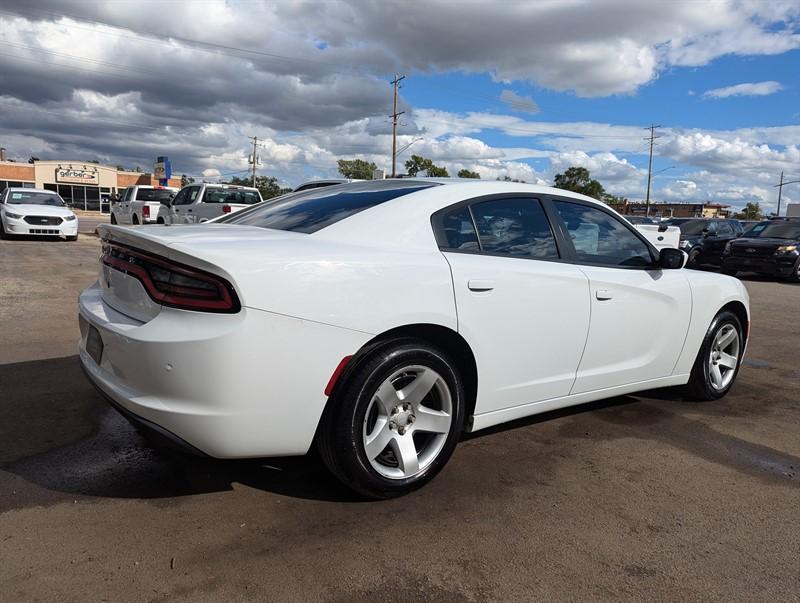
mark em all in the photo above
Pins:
pixel 670 259
pixel 663 227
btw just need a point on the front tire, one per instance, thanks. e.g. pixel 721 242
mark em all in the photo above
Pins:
pixel 718 360
pixel 72 238
pixel 3 233
pixel 794 277
pixel 395 422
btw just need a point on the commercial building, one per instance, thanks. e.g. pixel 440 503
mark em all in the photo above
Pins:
pixel 674 210
pixel 81 184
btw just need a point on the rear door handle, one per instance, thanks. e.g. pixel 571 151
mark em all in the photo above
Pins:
pixel 603 294
pixel 480 285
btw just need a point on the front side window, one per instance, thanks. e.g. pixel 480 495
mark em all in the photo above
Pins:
pixel 189 196
pixel 514 227
pixel 600 238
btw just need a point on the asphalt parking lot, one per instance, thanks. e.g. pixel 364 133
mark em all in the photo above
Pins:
pixel 637 497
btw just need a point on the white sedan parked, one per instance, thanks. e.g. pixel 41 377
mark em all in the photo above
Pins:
pixel 379 320
pixel 36 212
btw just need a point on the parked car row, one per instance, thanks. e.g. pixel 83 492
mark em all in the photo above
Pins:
pixel 194 203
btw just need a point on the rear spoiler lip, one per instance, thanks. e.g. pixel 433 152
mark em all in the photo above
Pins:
pixel 139 239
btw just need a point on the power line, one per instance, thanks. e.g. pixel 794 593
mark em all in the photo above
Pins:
pixel 652 140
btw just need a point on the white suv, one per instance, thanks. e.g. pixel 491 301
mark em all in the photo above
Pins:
pixel 197 203
pixel 140 204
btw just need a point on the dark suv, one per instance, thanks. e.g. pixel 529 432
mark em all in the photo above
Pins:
pixel 704 239
pixel 771 247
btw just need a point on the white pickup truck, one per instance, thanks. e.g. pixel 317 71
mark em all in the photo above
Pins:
pixel 196 203
pixel 660 234
pixel 140 204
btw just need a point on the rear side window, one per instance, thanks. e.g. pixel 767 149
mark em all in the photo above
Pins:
pixel 221 195
pixel 458 230
pixel 153 194
pixel 310 211
pixel 600 238
pixel 186 196
pixel 515 227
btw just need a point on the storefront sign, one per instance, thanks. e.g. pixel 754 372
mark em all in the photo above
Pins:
pixel 162 170
pixel 75 176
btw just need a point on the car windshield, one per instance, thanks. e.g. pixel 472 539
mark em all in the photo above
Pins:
pixel 313 210
pixel 774 230
pixel 153 194
pixel 226 195
pixel 689 227
pixel 32 198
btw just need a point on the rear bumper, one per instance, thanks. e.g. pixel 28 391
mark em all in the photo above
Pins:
pixel 155 432
pixel 772 266
pixel 231 386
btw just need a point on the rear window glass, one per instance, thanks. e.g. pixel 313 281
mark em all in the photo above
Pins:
pixel 313 210
pixel 221 195
pixel 153 194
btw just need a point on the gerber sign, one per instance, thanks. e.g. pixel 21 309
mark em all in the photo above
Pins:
pixel 74 176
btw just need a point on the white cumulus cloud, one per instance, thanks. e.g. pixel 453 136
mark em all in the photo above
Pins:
pixel 747 89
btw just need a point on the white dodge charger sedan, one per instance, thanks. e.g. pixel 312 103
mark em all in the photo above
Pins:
pixel 379 320
pixel 35 211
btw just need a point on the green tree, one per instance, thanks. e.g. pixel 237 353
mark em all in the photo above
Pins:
pixel 751 211
pixel 614 199
pixel 417 164
pixel 32 159
pixel 186 179
pixel 509 179
pixel 267 185
pixel 357 169
pixel 465 173
pixel 578 180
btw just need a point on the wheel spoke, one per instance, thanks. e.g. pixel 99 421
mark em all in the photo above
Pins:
pixel 728 361
pixel 387 397
pixel 726 339
pixel 716 376
pixel 379 439
pixel 406 453
pixel 415 392
pixel 434 421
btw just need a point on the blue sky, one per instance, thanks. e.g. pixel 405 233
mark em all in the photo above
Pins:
pixel 107 81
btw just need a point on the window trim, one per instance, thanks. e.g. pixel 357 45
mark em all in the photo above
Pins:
pixel 441 241
pixel 562 232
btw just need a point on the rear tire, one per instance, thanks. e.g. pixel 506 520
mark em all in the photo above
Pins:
pixel 135 220
pixel 383 445
pixel 718 361
pixel 113 219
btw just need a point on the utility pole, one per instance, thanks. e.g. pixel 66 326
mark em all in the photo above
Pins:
pixel 397 79
pixel 652 139
pixel 780 191
pixel 254 158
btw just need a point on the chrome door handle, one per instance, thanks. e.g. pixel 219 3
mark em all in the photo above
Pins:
pixel 480 285
pixel 603 294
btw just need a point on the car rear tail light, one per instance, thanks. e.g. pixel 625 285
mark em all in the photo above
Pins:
pixel 226 209
pixel 170 283
pixel 146 211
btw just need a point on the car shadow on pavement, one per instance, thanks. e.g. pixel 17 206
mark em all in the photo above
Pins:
pixel 58 435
